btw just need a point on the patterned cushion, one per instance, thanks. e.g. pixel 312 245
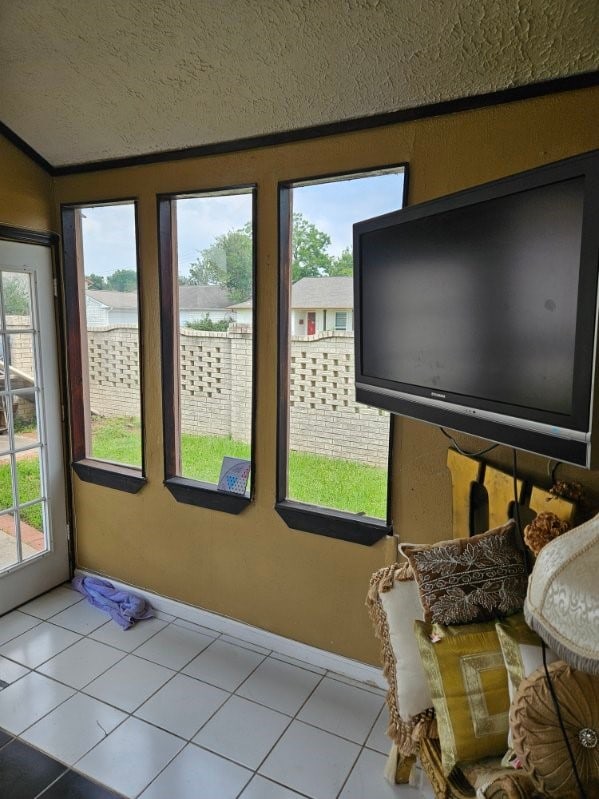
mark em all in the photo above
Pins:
pixel 393 605
pixel 470 579
pixel 468 684
pixel 522 653
pixel 522 650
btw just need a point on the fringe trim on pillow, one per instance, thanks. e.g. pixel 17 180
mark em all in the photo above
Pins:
pixel 405 734
pixel 574 659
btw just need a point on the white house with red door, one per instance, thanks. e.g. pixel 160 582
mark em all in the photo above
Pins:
pixel 318 304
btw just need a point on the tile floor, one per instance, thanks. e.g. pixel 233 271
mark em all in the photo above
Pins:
pixel 170 710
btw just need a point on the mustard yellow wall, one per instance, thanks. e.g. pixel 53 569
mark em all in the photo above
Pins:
pixel 25 190
pixel 252 567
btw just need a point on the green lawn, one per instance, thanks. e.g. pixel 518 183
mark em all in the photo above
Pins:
pixel 315 479
pixel 29 488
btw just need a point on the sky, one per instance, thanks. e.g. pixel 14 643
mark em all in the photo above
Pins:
pixel 109 231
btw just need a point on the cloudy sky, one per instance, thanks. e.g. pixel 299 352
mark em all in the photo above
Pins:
pixel 109 232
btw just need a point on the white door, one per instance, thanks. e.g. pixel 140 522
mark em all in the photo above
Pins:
pixel 33 524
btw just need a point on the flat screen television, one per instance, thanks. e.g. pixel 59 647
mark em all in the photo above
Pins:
pixel 478 311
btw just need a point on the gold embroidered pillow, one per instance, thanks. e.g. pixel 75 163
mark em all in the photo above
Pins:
pixel 470 579
pixel 468 684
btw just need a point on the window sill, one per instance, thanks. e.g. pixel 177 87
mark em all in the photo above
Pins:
pixel 333 524
pixel 110 475
pixel 206 495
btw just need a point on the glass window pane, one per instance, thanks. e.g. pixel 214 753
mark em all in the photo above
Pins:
pixel 215 277
pixel 29 481
pixel 6 487
pixel 109 269
pixel 8 541
pixel 25 419
pixel 33 540
pixel 20 360
pixel 16 296
pixel 338 449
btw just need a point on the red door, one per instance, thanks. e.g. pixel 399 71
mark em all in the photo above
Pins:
pixel 311 324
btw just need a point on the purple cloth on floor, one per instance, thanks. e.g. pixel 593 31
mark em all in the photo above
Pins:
pixel 125 608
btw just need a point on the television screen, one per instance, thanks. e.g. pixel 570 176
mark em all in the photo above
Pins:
pixel 482 303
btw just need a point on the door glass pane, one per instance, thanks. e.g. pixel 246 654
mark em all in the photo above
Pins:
pixel 8 541
pixel 32 530
pixel 20 360
pixel 16 291
pixel 337 448
pixel 29 480
pixel 25 419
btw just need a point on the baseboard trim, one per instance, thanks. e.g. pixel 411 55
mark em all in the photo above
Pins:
pixel 346 667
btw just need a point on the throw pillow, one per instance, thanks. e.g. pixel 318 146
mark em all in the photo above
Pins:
pixel 522 650
pixel 522 653
pixel 468 684
pixel 393 605
pixel 470 579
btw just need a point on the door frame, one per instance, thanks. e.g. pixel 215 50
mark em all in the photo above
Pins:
pixel 25 236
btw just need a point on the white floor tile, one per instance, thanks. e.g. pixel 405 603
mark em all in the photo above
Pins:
pixel 261 788
pixel 38 644
pixel 70 731
pixel 342 709
pixel 243 731
pixel 81 618
pixel 224 665
pixel 9 671
pixel 129 758
pixel 130 639
pixel 195 774
pixel 129 683
pixel 14 624
pixel 27 700
pixel 174 646
pixel 280 686
pixel 378 738
pixel 182 705
pixel 53 602
pixel 367 780
pixel 81 663
pixel 311 761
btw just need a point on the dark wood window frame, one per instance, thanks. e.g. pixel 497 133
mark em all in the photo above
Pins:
pixel 93 470
pixel 185 489
pixel 299 515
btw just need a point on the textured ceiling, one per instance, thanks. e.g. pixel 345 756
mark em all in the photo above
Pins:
pixel 85 80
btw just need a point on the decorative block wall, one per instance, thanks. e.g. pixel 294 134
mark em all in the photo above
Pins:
pixel 216 389
pixel 324 417
pixel 113 358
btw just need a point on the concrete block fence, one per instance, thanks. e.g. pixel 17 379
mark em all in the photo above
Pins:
pixel 216 389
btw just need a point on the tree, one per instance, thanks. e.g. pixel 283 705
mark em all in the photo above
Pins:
pixel 308 250
pixel 95 282
pixel 228 263
pixel 122 280
pixel 343 265
pixel 16 297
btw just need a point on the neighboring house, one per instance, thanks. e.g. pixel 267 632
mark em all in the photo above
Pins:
pixel 317 304
pixel 106 308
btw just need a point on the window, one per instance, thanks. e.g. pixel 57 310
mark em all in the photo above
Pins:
pixel 207 300
pixel 103 313
pixel 333 453
pixel 341 320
